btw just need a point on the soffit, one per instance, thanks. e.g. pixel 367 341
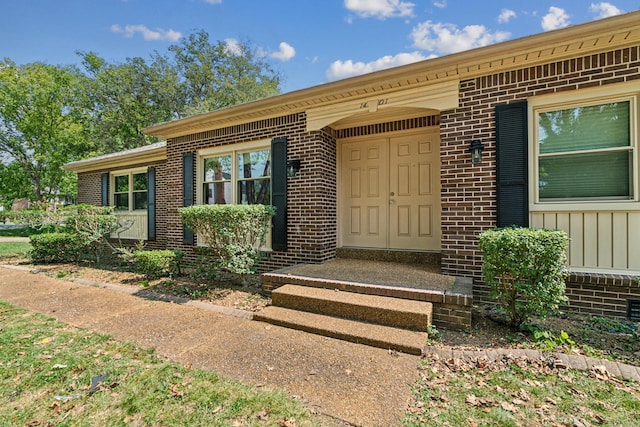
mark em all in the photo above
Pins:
pixel 147 154
pixel 605 34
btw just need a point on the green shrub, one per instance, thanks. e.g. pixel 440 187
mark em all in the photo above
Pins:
pixel 158 263
pixel 234 233
pixel 526 270
pixel 56 247
pixel 94 224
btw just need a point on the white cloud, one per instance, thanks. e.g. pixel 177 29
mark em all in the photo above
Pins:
pixel 604 10
pixel 556 18
pixel 233 47
pixel 147 34
pixel 380 8
pixel 446 38
pixel 506 15
pixel 440 4
pixel 343 69
pixel 285 53
pixel 213 1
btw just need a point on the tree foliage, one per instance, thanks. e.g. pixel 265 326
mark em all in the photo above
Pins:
pixel 194 76
pixel 52 115
pixel 41 127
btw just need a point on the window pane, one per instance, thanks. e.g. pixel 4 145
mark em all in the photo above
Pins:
pixel 122 184
pixel 217 168
pixel 584 128
pixel 254 192
pixel 254 164
pixel 582 176
pixel 122 201
pixel 217 193
pixel 139 181
pixel 140 200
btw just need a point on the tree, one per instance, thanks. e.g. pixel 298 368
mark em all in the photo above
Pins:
pixel 14 183
pixel 221 74
pixel 41 127
pixel 124 98
pixel 194 76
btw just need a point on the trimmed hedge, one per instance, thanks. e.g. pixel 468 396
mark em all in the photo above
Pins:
pixel 234 233
pixel 56 247
pixel 526 269
pixel 158 263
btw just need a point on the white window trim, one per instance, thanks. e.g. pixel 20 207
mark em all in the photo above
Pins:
pixel 112 188
pixel 573 99
pixel 231 150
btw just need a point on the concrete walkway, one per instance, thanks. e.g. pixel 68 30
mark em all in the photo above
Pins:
pixel 358 384
pixel 354 383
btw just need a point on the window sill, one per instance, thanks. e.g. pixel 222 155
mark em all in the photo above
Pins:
pixel 610 206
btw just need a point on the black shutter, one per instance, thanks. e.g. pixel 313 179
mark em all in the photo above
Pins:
pixel 105 189
pixel 187 191
pixel 151 203
pixel 512 197
pixel 279 193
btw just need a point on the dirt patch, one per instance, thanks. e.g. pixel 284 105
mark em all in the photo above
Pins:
pixel 569 332
pixel 222 290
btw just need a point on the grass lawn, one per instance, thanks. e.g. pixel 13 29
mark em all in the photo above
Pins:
pixel 14 248
pixel 18 232
pixel 519 392
pixel 53 374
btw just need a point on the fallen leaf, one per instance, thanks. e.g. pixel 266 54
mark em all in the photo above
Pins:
pixel 508 407
pixel 175 391
pixel 471 400
pixel 472 423
pixel 263 415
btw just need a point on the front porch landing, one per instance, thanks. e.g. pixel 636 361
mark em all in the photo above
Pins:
pixel 452 297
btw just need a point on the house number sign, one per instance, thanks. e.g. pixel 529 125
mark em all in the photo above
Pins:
pixel 379 102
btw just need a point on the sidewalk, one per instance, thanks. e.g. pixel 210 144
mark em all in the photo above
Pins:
pixel 350 382
pixel 355 383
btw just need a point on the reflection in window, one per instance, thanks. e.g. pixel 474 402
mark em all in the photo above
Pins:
pixel 585 153
pixel 254 171
pixel 130 190
pixel 121 192
pixel 249 172
pixel 217 180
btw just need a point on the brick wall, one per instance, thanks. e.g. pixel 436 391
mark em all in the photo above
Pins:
pixel 90 188
pixel 311 197
pixel 601 294
pixel 468 191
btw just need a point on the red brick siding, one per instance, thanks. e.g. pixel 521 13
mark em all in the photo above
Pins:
pixel 90 188
pixel 312 193
pixel 468 191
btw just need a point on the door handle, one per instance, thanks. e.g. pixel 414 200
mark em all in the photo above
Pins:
pixel 391 201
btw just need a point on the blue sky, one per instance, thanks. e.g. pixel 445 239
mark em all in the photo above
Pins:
pixel 309 41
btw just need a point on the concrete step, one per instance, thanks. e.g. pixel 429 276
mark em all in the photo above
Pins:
pixel 386 311
pixel 386 337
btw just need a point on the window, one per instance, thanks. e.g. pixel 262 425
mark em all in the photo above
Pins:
pixel 586 151
pixel 239 177
pixel 130 191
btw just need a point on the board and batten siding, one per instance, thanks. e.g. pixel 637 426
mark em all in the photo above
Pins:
pixel 134 226
pixel 600 240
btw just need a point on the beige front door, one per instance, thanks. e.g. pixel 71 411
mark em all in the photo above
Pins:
pixel 390 192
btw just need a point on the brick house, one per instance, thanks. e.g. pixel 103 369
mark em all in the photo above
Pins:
pixel 385 161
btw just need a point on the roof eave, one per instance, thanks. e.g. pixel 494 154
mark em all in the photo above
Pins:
pixel 617 31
